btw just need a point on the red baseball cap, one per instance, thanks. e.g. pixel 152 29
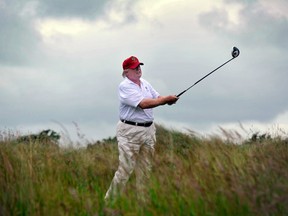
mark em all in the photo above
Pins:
pixel 131 63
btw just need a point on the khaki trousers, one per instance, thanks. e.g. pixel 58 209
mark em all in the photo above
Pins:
pixel 136 150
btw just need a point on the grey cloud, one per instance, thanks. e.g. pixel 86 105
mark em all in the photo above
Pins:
pixel 73 8
pixel 86 9
pixel 261 27
pixel 71 88
pixel 20 43
pixel 254 93
pixel 262 38
pixel 241 1
pixel 18 38
pixel 256 26
pixel 249 88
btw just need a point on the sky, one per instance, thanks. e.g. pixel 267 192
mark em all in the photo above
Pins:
pixel 61 64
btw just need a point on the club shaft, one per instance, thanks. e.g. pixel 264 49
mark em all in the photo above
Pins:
pixel 204 77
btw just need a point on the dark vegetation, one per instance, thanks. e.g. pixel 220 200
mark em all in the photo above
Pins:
pixel 191 176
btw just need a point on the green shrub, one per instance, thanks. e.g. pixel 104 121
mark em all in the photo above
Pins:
pixel 191 176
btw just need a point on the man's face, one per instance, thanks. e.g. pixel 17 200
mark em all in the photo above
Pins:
pixel 134 74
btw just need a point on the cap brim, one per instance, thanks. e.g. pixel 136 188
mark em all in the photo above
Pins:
pixel 137 65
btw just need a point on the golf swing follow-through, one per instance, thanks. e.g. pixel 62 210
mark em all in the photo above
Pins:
pixel 136 132
pixel 235 53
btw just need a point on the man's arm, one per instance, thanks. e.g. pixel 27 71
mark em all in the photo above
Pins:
pixel 148 103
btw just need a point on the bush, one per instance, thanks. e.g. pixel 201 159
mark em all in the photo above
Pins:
pixel 191 176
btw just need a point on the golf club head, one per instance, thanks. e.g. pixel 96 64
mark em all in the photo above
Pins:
pixel 235 52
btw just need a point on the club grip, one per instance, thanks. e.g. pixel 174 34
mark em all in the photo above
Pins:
pixel 181 93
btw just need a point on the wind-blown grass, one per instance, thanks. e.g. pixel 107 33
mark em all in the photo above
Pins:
pixel 191 176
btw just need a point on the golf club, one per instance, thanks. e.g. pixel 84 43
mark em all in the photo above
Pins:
pixel 235 53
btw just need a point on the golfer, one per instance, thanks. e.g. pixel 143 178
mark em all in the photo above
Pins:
pixel 135 130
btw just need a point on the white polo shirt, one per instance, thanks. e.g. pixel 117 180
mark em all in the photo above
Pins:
pixel 130 95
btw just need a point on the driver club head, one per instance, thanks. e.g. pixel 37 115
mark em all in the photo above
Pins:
pixel 235 52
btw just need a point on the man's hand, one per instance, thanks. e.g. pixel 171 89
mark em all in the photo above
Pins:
pixel 148 103
pixel 171 99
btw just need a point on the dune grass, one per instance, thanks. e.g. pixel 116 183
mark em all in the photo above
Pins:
pixel 191 176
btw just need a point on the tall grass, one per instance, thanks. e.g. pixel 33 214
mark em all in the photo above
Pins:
pixel 191 176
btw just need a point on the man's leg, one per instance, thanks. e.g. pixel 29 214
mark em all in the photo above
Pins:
pixel 144 163
pixel 128 152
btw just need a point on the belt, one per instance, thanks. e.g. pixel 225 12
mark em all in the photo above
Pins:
pixel 145 124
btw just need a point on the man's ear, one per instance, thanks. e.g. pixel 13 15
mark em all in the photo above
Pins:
pixel 124 73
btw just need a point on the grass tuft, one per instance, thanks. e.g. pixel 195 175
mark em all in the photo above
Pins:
pixel 191 176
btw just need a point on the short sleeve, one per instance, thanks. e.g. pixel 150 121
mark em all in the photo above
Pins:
pixel 129 95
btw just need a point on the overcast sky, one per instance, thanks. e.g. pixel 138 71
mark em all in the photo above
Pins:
pixel 60 63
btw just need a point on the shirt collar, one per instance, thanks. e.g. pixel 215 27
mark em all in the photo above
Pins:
pixel 131 82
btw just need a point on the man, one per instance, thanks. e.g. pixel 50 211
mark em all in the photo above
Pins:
pixel 135 130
